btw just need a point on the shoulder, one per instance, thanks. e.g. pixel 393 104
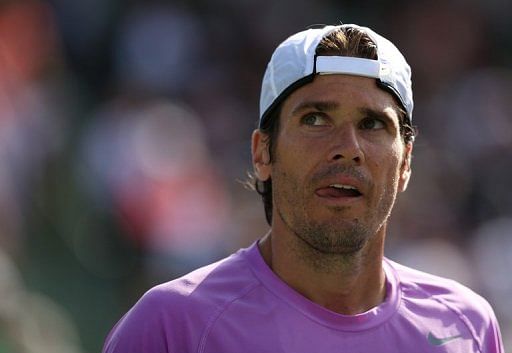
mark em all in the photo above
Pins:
pixel 418 284
pixel 180 311
pixel 442 295
pixel 210 287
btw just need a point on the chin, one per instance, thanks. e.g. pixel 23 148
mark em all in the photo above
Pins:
pixel 347 237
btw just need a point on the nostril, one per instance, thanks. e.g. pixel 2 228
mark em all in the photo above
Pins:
pixel 338 157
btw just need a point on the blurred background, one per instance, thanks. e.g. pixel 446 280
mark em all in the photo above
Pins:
pixel 125 137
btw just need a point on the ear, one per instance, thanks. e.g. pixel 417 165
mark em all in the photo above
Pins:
pixel 405 168
pixel 260 155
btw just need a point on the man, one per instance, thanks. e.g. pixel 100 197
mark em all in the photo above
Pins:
pixel 332 151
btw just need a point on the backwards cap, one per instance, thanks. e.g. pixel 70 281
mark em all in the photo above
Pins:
pixel 294 63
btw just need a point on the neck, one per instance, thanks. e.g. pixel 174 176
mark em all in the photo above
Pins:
pixel 348 284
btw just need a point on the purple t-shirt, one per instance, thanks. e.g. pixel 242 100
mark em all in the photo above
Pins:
pixel 238 305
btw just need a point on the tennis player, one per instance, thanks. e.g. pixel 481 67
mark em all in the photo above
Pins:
pixel 332 151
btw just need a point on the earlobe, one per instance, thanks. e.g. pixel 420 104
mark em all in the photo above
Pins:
pixel 405 169
pixel 260 155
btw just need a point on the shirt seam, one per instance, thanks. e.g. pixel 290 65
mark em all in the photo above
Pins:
pixel 218 313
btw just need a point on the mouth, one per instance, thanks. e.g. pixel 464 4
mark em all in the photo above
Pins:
pixel 339 191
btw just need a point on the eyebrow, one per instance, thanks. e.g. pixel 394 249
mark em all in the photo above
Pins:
pixel 376 114
pixel 322 106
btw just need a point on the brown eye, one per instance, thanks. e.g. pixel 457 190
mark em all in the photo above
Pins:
pixel 372 124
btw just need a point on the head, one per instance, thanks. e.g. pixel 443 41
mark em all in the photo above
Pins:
pixel 344 41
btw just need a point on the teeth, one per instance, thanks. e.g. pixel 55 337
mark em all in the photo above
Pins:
pixel 341 186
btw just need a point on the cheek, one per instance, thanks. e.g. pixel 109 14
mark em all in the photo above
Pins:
pixel 291 173
pixel 287 172
pixel 286 186
pixel 386 167
pixel 293 156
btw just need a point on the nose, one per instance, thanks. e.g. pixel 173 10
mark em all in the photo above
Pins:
pixel 346 147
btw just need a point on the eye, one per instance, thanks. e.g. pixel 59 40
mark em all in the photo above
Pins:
pixel 372 124
pixel 313 119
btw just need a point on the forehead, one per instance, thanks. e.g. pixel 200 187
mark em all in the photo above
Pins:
pixel 343 92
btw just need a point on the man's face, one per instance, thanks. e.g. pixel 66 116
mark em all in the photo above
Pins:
pixel 338 165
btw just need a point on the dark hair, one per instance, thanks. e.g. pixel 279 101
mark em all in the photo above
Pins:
pixel 346 41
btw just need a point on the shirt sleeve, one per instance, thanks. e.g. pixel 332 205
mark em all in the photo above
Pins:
pixel 143 329
pixel 493 341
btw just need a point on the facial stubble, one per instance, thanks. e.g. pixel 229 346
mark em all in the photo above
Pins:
pixel 337 238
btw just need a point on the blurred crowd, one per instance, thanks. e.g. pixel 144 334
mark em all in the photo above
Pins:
pixel 124 146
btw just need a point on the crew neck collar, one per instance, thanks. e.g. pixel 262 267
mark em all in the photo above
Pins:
pixel 316 312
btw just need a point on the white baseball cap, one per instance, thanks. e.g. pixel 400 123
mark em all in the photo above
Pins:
pixel 295 63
